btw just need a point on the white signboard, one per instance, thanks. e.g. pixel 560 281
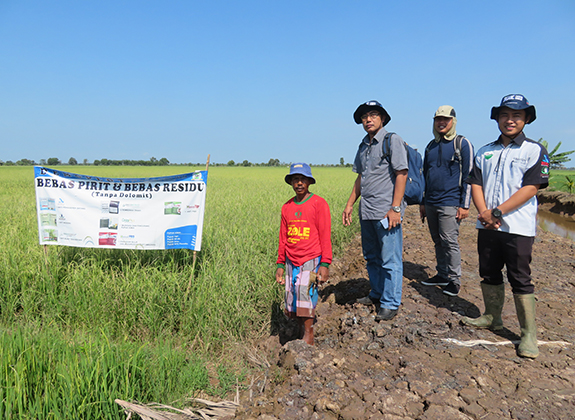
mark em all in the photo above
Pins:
pixel 133 213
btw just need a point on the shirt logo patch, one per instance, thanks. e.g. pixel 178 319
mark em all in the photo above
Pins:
pixel 545 167
pixel 488 155
pixel 297 214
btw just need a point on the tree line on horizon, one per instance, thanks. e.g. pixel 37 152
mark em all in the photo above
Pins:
pixel 557 161
pixel 53 161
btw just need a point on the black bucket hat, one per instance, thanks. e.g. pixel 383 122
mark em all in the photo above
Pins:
pixel 371 106
pixel 515 101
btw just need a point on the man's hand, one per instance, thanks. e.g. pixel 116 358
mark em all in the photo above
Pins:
pixel 488 221
pixel 322 274
pixel 346 217
pixel 462 213
pixel 422 212
pixel 393 218
pixel 280 278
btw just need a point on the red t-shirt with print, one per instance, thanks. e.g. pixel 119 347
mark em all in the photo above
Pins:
pixel 305 231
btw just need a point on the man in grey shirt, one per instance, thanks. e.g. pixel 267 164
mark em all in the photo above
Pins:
pixel 381 184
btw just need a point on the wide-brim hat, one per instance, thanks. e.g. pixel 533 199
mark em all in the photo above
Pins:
pixel 371 106
pixel 515 101
pixel 299 169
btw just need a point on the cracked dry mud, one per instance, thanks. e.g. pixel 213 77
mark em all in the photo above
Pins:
pixel 415 366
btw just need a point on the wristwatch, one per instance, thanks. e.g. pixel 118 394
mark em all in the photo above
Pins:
pixel 396 209
pixel 496 213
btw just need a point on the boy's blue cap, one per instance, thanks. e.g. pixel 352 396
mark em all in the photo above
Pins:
pixel 515 101
pixel 299 169
pixel 371 106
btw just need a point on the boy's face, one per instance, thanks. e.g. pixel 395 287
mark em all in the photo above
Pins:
pixel 511 121
pixel 372 122
pixel 443 125
pixel 300 184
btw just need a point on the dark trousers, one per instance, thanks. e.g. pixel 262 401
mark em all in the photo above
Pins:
pixel 497 249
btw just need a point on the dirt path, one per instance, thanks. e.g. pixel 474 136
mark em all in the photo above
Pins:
pixel 419 366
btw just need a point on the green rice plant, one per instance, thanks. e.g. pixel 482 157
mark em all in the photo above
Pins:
pixel 137 299
pixel 557 181
pixel 569 184
pixel 141 294
pixel 45 375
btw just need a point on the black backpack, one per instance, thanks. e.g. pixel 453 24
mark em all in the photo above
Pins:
pixel 415 185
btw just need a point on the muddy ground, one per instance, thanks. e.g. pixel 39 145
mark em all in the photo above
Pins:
pixel 423 364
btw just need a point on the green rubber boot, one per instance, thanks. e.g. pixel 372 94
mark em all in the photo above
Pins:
pixel 525 306
pixel 493 298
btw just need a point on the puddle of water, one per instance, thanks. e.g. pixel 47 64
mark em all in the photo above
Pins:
pixel 556 224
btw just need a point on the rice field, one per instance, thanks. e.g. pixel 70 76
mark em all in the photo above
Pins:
pixel 80 327
pixel 558 179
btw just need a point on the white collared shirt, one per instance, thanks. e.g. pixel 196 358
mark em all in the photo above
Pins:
pixel 502 171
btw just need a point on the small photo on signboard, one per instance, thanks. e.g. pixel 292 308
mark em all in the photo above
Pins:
pixel 114 207
pixel 50 235
pixel 173 207
pixel 107 238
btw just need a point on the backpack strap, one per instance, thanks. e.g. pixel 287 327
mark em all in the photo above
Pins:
pixel 457 155
pixel 386 147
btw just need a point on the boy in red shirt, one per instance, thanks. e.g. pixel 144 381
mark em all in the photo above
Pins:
pixel 304 252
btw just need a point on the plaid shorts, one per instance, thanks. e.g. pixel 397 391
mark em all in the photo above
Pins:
pixel 301 291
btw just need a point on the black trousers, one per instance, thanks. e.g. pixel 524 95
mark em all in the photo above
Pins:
pixel 497 249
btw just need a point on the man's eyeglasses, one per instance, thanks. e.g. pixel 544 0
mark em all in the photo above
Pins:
pixel 371 115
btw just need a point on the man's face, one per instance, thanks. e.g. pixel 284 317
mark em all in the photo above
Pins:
pixel 443 125
pixel 511 121
pixel 372 122
pixel 300 184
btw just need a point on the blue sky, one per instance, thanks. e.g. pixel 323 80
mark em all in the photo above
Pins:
pixel 135 79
